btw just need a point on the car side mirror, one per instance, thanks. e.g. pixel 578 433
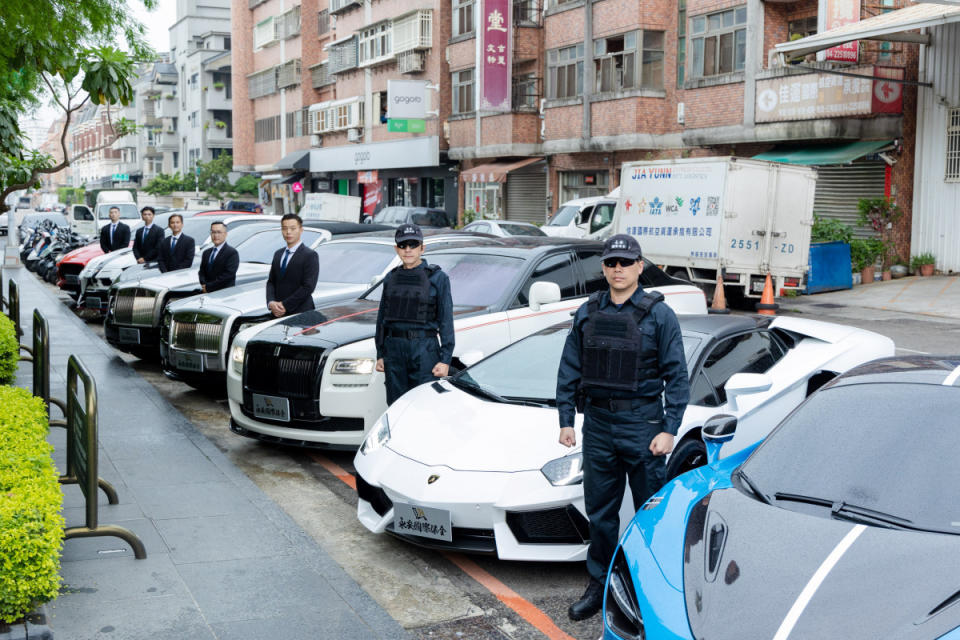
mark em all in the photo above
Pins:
pixel 717 431
pixel 471 358
pixel 542 293
pixel 743 384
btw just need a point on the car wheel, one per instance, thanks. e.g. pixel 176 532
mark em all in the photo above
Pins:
pixel 688 455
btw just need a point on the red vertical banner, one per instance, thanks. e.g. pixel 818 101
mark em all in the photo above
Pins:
pixel 371 196
pixel 496 55
pixel 839 13
pixel 887 95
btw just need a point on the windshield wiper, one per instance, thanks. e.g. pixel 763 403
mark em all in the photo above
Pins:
pixel 531 402
pixel 476 389
pixel 843 510
pixel 764 498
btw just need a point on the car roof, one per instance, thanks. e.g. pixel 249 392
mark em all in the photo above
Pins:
pixel 432 236
pixel 925 369
pixel 717 326
pixel 527 246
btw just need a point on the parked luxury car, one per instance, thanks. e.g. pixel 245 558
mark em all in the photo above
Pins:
pixel 310 380
pixel 504 228
pixel 491 432
pixel 200 329
pixel 422 216
pixel 841 524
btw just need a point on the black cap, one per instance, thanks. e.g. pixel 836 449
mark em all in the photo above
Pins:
pixel 621 246
pixel 409 232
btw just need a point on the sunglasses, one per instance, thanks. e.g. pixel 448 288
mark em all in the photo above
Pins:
pixel 408 244
pixel 610 263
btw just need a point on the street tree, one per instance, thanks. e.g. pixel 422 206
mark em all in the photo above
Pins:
pixel 64 51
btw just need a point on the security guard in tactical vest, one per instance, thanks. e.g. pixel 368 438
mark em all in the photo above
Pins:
pixel 415 308
pixel 623 363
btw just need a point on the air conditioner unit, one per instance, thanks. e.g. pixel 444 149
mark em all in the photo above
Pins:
pixel 353 135
pixel 410 61
pixel 316 140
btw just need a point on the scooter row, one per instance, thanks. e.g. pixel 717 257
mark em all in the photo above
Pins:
pixel 43 245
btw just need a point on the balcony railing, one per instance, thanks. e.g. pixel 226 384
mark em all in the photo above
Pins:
pixel 413 31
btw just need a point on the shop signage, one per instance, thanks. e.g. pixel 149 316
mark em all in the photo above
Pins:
pixel 496 55
pixel 366 177
pixel 410 125
pixel 398 154
pixel 121 177
pixel 372 196
pixel 406 99
pixel 839 13
pixel 297 187
pixel 811 96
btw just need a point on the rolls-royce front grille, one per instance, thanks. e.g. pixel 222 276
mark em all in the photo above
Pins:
pixel 135 307
pixel 189 333
pixel 282 370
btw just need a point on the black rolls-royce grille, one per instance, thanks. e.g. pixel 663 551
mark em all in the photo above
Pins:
pixel 283 370
pixel 561 525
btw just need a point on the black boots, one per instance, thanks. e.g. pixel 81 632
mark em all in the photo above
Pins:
pixel 589 604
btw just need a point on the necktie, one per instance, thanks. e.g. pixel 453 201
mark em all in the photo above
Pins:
pixel 112 227
pixel 213 254
pixel 283 263
pixel 173 243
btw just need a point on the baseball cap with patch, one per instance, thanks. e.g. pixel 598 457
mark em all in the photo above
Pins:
pixel 621 246
pixel 409 232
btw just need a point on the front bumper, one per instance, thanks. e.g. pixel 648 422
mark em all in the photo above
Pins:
pixel 130 338
pixel 517 516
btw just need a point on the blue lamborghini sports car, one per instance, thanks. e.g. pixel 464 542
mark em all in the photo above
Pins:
pixel 843 523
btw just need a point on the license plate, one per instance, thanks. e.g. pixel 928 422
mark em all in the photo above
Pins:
pixel 271 407
pixel 425 522
pixel 129 336
pixel 71 279
pixel 94 303
pixel 187 361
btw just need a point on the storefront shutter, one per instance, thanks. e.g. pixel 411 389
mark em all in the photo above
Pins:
pixel 526 194
pixel 840 187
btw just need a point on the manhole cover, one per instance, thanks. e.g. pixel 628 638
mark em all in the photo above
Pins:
pixel 828 305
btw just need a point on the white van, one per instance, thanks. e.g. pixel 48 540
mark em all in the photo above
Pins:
pixel 583 218
pixel 87 221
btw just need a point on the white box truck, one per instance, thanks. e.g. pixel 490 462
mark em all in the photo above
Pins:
pixel 744 217
pixel 330 206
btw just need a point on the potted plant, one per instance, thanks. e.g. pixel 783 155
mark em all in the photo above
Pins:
pixel 899 267
pixel 923 263
pixel 168 96
pixel 220 124
pixel 863 255
pixel 218 86
pixel 879 214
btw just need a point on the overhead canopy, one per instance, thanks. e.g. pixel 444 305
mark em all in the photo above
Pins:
pixel 892 26
pixel 495 171
pixel 824 154
pixel 290 179
pixel 295 160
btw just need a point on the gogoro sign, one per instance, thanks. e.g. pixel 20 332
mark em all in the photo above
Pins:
pixel 406 99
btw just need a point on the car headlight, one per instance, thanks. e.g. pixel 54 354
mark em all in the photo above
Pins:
pixel 379 435
pixel 236 357
pixel 623 609
pixel 354 366
pixel 564 471
pixel 246 325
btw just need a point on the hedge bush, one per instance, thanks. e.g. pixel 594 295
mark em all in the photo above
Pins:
pixel 31 527
pixel 9 349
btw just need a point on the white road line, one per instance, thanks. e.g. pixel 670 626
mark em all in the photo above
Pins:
pixel 786 627
pixel 925 353
pixel 952 378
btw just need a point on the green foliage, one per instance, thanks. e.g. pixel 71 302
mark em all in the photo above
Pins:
pixel 864 252
pixel 921 259
pixel 164 184
pixel 211 178
pixel 213 175
pixel 879 214
pixel 247 185
pixel 9 349
pixel 71 195
pixel 469 215
pixel 830 230
pixel 31 527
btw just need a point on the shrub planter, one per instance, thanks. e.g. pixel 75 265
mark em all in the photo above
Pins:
pixel 926 270
pixel 887 275
pixel 898 270
pixel 867 274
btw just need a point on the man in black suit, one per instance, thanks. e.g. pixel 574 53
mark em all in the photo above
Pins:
pixel 147 239
pixel 177 251
pixel 219 263
pixel 294 272
pixel 115 235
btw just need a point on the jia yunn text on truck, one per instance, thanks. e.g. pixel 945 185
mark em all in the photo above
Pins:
pixel 697 216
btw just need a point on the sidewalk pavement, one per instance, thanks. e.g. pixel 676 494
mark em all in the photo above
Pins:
pixel 223 560
pixel 936 297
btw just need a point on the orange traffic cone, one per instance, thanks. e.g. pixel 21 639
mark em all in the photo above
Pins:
pixel 719 303
pixel 766 306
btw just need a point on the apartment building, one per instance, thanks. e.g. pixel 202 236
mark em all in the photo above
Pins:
pixel 92 138
pixel 53 146
pixel 313 105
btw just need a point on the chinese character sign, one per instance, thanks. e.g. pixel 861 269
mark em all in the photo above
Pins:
pixel 495 55
pixel 839 13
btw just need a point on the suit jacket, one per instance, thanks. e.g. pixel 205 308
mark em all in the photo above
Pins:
pixel 223 272
pixel 295 288
pixel 147 247
pixel 182 256
pixel 121 237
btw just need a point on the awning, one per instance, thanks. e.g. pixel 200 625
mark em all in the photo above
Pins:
pixel 886 26
pixel 294 160
pixel 288 179
pixel 825 154
pixel 495 171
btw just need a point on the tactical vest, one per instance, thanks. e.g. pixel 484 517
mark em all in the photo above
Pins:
pixel 613 354
pixel 407 296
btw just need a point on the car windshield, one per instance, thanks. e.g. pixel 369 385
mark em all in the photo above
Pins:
pixel 521 230
pixel 527 369
pixel 128 210
pixel 430 219
pixel 353 262
pixel 563 216
pixel 476 280
pixel 865 445
pixel 261 247
pixel 392 215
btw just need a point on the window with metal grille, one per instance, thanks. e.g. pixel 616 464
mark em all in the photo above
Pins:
pixel 616 57
pixel 681 40
pixel 413 31
pixel 298 123
pixel 375 44
pixel 463 91
pixel 953 146
pixel 462 17
pixel 343 56
pixel 288 74
pixel 264 33
pixel 526 13
pixel 719 42
pixel 262 83
pixel 526 92
pixel 319 76
pixel 323 22
pixel 288 24
pixel 565 72
pixel 266 129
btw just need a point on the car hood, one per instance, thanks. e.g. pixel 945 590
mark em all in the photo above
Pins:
pixel 187 279
pixel 83 254
pixel 748 566
pixel 251 298
pixel 563 232
pixel 452 428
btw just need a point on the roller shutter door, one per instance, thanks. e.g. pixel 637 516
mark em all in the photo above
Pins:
pixel 840 187
pixel 527 194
